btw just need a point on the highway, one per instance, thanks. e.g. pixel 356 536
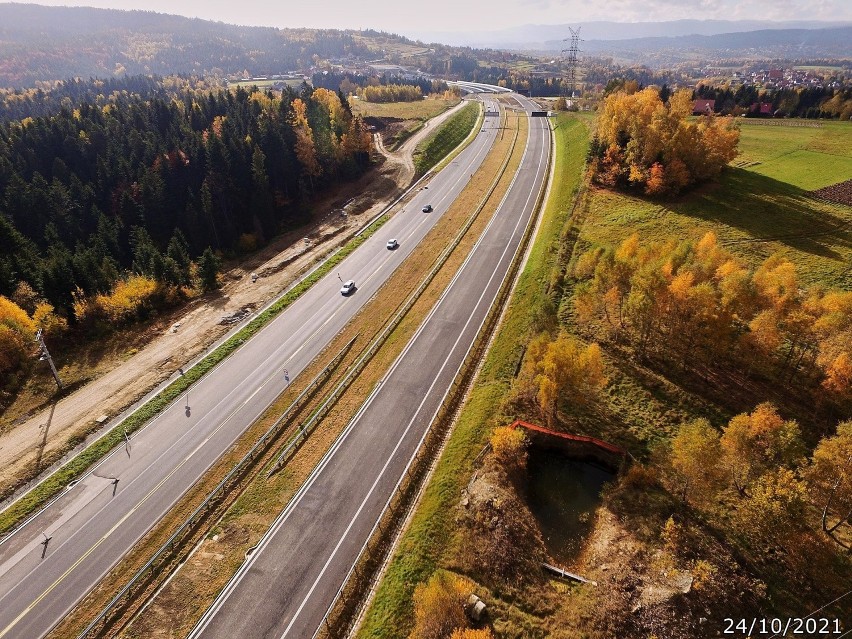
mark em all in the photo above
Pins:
pixel 99 519
pixel 289 581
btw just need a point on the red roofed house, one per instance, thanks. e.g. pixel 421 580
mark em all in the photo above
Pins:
pixel 762 108
pixel 703 107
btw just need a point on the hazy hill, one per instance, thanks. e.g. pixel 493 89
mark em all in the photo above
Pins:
pixel 541 36
pixel 766 43
pixel 48 43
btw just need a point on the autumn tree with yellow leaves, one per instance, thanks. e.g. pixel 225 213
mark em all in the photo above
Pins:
pixel 439 605
pixel 754 443
pixel 305 150
pixel 695 304
pixel 694 452
pixel 17 332
pixel 643 143
pixel 829 478
pixel 561 370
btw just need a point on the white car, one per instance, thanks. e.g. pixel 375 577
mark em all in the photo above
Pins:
pixel 427 208
pixel 348 287
pixel 392 244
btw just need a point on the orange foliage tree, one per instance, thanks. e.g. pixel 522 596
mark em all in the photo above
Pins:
pixel 439 605
pixel 754 443
pixel 306 151
pixel 694 301
pixel 830 478
pixel 643 143
pixel 17 332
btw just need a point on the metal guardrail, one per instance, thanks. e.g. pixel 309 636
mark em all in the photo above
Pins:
pixel 377 343
pixel 315 418
pixel 163 554
pixel 428 443
pixel 166 551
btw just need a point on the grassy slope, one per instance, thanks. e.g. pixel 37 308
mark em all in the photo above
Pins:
pixel 448 136
pixel 756 210
pixel 431 529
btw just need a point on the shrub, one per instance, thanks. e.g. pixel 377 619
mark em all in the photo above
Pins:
pixel 129 299
pixel 439 605
pixel 510 447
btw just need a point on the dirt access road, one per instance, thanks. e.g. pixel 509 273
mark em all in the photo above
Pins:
pixel 35 446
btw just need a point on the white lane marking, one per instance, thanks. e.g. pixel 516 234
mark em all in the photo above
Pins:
pixel 420 407
pixel 284 516
pixel 431 387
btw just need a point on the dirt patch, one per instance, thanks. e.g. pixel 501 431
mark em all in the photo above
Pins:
pixel 840 193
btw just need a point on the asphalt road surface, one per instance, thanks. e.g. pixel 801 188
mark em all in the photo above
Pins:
pixel 99 519
pixel 288 583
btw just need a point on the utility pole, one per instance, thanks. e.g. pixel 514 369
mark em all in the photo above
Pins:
pixel 572 51
pixel 44 354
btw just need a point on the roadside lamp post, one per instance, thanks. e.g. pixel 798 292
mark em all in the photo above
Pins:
pixel 44 543
pixel 186 408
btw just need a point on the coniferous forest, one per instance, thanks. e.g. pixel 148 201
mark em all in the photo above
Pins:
pixel 143 186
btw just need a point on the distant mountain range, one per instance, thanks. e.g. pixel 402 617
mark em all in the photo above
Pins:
pixel 55 43
pixel 39 43
pixel 803 38
pixel 541 36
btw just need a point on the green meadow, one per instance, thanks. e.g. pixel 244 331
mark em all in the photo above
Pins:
pixel 759 206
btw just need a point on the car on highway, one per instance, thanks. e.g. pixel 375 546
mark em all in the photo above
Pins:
pixel 348 287
pixel 392 244
pixel 427 208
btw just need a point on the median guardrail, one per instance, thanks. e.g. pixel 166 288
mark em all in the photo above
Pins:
pixel 168 550
pixel 379 543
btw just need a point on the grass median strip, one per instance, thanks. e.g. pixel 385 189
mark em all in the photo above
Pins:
pixel 368 323
pixel 192 589
pixel 56 482
pixel 421 547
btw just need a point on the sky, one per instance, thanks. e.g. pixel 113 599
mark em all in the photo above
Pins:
pixel 402 16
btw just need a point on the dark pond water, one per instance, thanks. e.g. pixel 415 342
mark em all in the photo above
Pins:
pixel 563 496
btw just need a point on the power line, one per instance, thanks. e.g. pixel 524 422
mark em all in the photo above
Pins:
pixel 833 601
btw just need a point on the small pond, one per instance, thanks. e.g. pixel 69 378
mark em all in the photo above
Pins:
pixel 563 496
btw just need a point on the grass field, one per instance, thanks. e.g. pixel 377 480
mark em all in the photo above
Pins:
pixel 423 544
pixel 420 110
pixel 804 157
pixel 756 210
pixel 447 137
